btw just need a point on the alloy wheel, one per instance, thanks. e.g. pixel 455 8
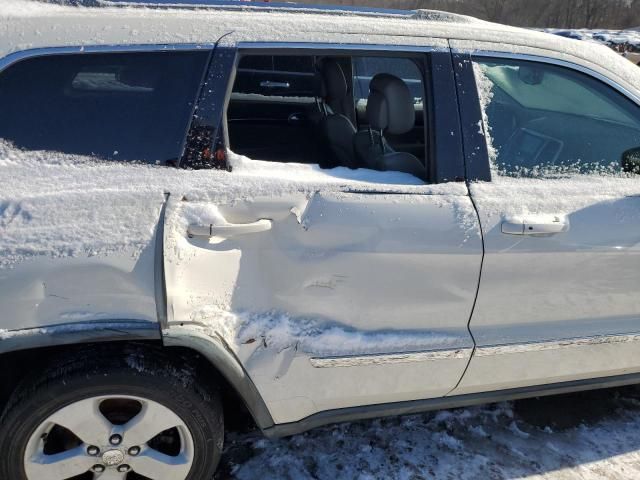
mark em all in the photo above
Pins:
pixel 110 438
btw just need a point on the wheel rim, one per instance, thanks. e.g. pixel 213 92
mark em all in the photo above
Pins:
pixel 111 437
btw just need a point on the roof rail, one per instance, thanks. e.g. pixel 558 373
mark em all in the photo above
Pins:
pixel 441 16
pixel 266 5
pixel 250 5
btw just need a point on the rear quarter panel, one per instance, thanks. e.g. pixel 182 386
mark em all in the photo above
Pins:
pixel 77 239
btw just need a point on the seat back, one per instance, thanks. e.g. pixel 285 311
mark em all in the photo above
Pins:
pixel 336 128
pixel 390 109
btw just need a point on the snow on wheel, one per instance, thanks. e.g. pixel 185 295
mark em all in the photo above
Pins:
pixel 121 422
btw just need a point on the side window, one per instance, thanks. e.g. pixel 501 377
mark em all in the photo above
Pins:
pixel 544 120
pixel 315 109
pixel 114 106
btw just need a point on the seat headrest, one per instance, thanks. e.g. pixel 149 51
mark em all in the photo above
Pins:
pixel 390 105
pixel 334 82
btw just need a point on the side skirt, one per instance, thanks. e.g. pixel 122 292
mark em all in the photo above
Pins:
pixel 420 406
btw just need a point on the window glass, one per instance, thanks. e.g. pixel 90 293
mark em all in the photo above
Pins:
pixel 546 120
pixel 115 106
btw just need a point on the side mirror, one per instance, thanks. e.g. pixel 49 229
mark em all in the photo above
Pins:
pixel 530 75
pixel 631 161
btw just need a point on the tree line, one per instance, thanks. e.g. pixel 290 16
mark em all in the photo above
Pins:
pixel 613 14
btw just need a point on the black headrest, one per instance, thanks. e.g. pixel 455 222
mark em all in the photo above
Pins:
pixel 334 82
pixel 390 105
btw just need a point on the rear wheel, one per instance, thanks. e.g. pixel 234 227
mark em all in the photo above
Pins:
pixel 108 414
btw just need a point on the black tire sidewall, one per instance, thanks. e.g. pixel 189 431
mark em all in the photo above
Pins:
pixel 199 408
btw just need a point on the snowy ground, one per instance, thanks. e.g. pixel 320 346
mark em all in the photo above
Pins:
pixel 592 435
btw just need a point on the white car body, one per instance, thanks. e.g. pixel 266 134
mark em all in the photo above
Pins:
pixel 351 293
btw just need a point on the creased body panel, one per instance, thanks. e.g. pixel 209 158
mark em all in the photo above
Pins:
pixel 77 239
pixel 45 292
pixel 349 299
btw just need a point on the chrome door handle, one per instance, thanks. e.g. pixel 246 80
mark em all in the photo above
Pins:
pixel 270 84
pixel 229 229
pixel 295 119
pixel 536 225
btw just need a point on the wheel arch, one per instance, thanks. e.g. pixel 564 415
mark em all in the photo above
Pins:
pixel 22 351
pixel 222 359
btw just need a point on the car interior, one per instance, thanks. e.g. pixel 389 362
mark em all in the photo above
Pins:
pixel 334 111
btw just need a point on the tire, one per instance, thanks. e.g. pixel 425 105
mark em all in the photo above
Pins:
pixel 124 382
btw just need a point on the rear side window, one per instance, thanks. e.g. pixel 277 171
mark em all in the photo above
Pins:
pixel 544 120
pixel 115 106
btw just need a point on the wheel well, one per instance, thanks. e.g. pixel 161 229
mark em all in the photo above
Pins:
pixel 21 363
pixel 236 414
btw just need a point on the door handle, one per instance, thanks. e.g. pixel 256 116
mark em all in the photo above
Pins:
pixel 536 225
pixel 270 84
pixel 295 119
pixel 229 229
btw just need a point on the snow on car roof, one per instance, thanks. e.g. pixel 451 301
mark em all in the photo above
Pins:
pixel 247 4
pixel 265 5
pixel 25 24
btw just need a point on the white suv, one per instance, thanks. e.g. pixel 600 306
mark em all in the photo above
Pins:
pixel 309 214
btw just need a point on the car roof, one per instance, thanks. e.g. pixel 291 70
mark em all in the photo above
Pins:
pixel 251 4
pixel 26 24
pixel 264 5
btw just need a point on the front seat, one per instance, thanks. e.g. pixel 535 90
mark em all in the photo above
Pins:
pixel 336 127
pixel 390 109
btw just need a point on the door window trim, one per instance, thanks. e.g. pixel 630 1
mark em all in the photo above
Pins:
pixel 319 48
pixel 20 55
pixel 300 47
pixel 555 61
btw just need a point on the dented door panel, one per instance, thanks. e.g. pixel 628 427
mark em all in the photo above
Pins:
pixel 349 298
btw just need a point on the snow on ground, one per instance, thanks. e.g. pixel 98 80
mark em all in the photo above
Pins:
pixel 588 436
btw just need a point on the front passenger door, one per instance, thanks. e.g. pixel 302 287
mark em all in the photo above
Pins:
pixel 558 300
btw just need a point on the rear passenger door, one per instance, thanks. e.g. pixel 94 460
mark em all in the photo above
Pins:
pixel 335 288
pixel 559 206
